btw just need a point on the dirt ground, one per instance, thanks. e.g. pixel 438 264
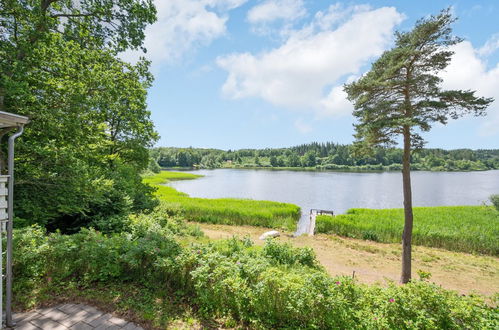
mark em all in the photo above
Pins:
pixel 378 262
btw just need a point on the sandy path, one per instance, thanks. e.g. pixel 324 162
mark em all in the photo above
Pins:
pixel 378 262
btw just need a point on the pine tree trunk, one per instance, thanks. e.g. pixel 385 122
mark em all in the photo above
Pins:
pixel 407 234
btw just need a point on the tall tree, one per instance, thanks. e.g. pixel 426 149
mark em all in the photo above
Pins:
pixel 90 127
pixel 402 96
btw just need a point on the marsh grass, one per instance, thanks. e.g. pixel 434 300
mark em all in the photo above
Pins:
pixel 228 211
pixel 472 229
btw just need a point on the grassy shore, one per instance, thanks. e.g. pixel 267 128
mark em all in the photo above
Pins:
pixel 230 211
pixel 473 229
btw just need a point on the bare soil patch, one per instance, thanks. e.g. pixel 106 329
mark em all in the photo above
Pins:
pixel 379 263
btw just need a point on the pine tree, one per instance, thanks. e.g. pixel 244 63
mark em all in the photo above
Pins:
pixel 402 96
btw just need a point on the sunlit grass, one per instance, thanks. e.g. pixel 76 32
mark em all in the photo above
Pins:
pixel 229 211
pixel 473 229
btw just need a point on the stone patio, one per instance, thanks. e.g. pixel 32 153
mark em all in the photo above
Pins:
pixel 70 316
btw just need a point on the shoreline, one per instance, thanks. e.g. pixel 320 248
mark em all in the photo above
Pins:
pixel 302 222
pixel 229 211
pixel 313 169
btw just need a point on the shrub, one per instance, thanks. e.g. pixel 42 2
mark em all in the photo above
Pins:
pixel 90 256
pixel 165 219
pixel 276 286
pixel 285 254
pixel 495 201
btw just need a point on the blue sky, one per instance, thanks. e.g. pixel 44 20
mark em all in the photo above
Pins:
pixel 236 74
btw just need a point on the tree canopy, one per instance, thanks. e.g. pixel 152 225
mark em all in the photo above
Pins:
pixel 328 156
pixel 90 129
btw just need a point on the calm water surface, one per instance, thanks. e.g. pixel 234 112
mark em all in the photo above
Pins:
pixel 340 191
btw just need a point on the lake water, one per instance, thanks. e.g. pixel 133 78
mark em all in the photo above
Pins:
pixel 339 191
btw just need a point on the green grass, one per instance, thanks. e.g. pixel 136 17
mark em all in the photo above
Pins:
pixel 228 211
pixel 473 229
pixel 165 176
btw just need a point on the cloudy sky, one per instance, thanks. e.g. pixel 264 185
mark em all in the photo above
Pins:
pixel 269 73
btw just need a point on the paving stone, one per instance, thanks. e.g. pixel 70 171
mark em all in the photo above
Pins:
pixel 79 316
pixel 69 322
pixel 25 317
pixel 100 320
pixel 106 325
pixel 27 326
pixel 114 327
pixel 132 326
pixel 81 326
pixel 71 316
pixel 101 327
pixel 56 315
pixel 90 316
pixel 70 308
pixel 48 324
pixel 89 309
pixel 20 316
pixel 44 311
pixel 118 321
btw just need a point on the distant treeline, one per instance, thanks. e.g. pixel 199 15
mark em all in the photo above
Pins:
pixel 328 155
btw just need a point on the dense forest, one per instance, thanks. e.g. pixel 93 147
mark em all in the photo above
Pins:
pixel 327 156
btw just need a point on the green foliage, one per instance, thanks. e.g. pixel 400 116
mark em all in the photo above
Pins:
pixel 234 280
pixel 285 254
pixel 229 211
pixel 328 156
pixel 273 161
pixel 79 158
pixel 27 22
pixel 153 166
pixel 457 228
pixel 423 276
pixel 495 201
pixel 163 220
pixel 89 255
pixel 402 93
pixel 164 177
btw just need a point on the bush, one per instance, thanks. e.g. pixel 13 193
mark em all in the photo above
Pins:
pixel 285 254
pixel 276 286
pixel 90 256
pixel 165 219
pixel 75 201
pixel 495 201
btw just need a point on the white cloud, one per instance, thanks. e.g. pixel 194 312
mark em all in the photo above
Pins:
pixel 468 71
pixel 490 46
pixel 335 103
pixel 272 10
pixel 181 26
pixel 306 71
pixel 335 15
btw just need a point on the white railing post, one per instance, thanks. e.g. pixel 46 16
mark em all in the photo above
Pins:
pixel 3 222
